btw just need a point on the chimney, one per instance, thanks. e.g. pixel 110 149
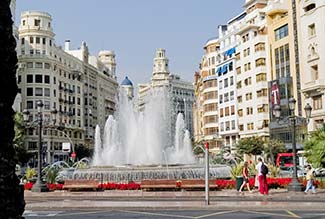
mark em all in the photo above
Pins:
pixel 67 45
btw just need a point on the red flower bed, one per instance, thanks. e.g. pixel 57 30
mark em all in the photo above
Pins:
pixel 53 187
pixel 28 186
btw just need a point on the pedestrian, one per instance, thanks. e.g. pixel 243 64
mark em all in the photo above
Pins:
pixel 310 180
pixel 245 178
pixel 262 171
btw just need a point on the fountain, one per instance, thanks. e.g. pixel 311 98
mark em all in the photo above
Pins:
pixel 137 144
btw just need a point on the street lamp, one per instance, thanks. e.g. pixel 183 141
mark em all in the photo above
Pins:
pixel 293 119
pixel 39 186
pixel 207 200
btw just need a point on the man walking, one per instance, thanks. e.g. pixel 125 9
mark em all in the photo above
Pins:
pixel 262 171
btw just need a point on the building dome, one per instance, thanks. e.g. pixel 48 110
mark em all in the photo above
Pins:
pixel 127 82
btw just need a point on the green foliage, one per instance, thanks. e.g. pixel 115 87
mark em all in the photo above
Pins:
pixel 29 173
pixel 272 148
pixel 198 149
pixel 236 171
pixel 52 175
pixel 315 149
pixel 274 170
pixel 251 146
pixel 21 155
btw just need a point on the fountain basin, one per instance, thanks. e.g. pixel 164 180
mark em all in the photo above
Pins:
pixel 127 173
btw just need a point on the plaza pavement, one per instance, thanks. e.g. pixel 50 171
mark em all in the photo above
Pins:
pixel 226 199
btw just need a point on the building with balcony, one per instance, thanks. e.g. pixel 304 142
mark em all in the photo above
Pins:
pixel 82 88
pixel 205 108
pixel 312 56
pixel 285 81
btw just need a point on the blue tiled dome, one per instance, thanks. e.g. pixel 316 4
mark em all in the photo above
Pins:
pixel 127 82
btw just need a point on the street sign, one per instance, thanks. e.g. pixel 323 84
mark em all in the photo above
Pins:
pixel 66 147
pixel 206 145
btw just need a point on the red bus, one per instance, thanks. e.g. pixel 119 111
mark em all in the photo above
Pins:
pixel 284 160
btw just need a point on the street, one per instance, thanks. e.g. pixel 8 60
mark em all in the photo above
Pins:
pixel 192 214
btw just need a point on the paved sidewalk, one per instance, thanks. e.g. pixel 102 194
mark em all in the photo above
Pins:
pixel 226 199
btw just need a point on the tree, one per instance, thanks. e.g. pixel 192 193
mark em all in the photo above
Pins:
pixel 22 155
pixel 11 194
pixel 315 149
pixel 251 146
pixel 272 148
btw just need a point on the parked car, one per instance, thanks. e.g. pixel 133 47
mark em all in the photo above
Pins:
pixel 287 171
pixel 320 171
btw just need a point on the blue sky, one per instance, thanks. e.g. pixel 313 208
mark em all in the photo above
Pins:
pixel 134 29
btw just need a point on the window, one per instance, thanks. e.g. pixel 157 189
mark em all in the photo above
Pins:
pixel 238 56
pixel 238 70
pixel 47 66
pixel 220 98
pixel 31 52
pixel 246 52
pixel 262 93
pixel 260 62
pixel 310 7
pixel 317 102
pixel 311 30
pixel 22 41
pixel 233 125
pixel 38 40
pixel 232 110
pixel 46 79
pixel 44 41
pixel 47 92
pixel 38 79
pixel 38 65
pixel 29 91
pixel 226 97
pixel 37 22
pixel 247 66
pixel 248 81
pixel 261 77
pixel 47 105
pixel 314 72
pixel 24 22
pixel 231 80
pixel 282 61
pixel 240 112
pixel 249 96
pixel 240 99
pixel 38 92
pixel 50 42
pixel 239 85
pixel 231 95
pixel 227 111
pixel 249 111
pixel 31 40
pixel 29 78
pixel 259 47
pixel 226 82
pixel 281 32
pixel 30 105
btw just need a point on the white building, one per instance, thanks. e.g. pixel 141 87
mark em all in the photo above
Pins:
pixel 181 92
pixel 312 56
pixel 81 88
pixel 251 68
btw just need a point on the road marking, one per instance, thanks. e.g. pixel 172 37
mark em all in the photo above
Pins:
pixel 271 214
pixel 293 214
pixel 217 213
pixel 83 213
pixel 41 213
pixel 157 214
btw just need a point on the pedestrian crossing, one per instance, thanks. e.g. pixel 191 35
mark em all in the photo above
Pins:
pixel 41 214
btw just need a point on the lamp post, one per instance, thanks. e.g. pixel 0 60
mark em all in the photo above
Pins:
pixel 207 201
pixel 39 186
pixel 293 120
